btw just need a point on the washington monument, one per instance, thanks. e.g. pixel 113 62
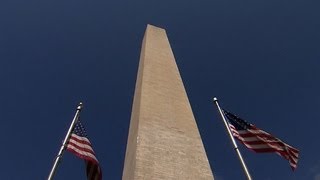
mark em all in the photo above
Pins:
pixel 164 142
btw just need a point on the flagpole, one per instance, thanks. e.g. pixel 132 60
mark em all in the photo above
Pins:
pixel 66 139
pixel 215 100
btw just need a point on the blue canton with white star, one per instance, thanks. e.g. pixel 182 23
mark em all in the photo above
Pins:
pixel 237 122
pixel 79 130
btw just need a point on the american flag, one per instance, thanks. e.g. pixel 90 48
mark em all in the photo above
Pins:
pixel 259 140
pixel 80 145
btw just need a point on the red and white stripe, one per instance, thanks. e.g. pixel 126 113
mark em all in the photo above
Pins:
pixel 262 142
pixel 81 147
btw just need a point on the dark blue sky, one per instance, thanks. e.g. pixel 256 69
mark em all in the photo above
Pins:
pixel 261 58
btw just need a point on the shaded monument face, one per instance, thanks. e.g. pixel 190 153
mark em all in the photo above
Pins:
pixel 164 141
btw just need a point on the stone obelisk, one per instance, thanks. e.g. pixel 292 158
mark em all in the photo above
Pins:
pixel 164 142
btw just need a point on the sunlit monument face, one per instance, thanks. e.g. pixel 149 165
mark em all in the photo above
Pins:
pixel 164 141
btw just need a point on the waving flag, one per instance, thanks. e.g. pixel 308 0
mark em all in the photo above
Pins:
pixel 259 140
pixel 80 145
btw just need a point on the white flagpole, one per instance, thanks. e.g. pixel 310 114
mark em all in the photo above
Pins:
pixel 66 139
pixel 215 100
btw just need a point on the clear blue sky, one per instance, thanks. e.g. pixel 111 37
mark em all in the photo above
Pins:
pixel 261 58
